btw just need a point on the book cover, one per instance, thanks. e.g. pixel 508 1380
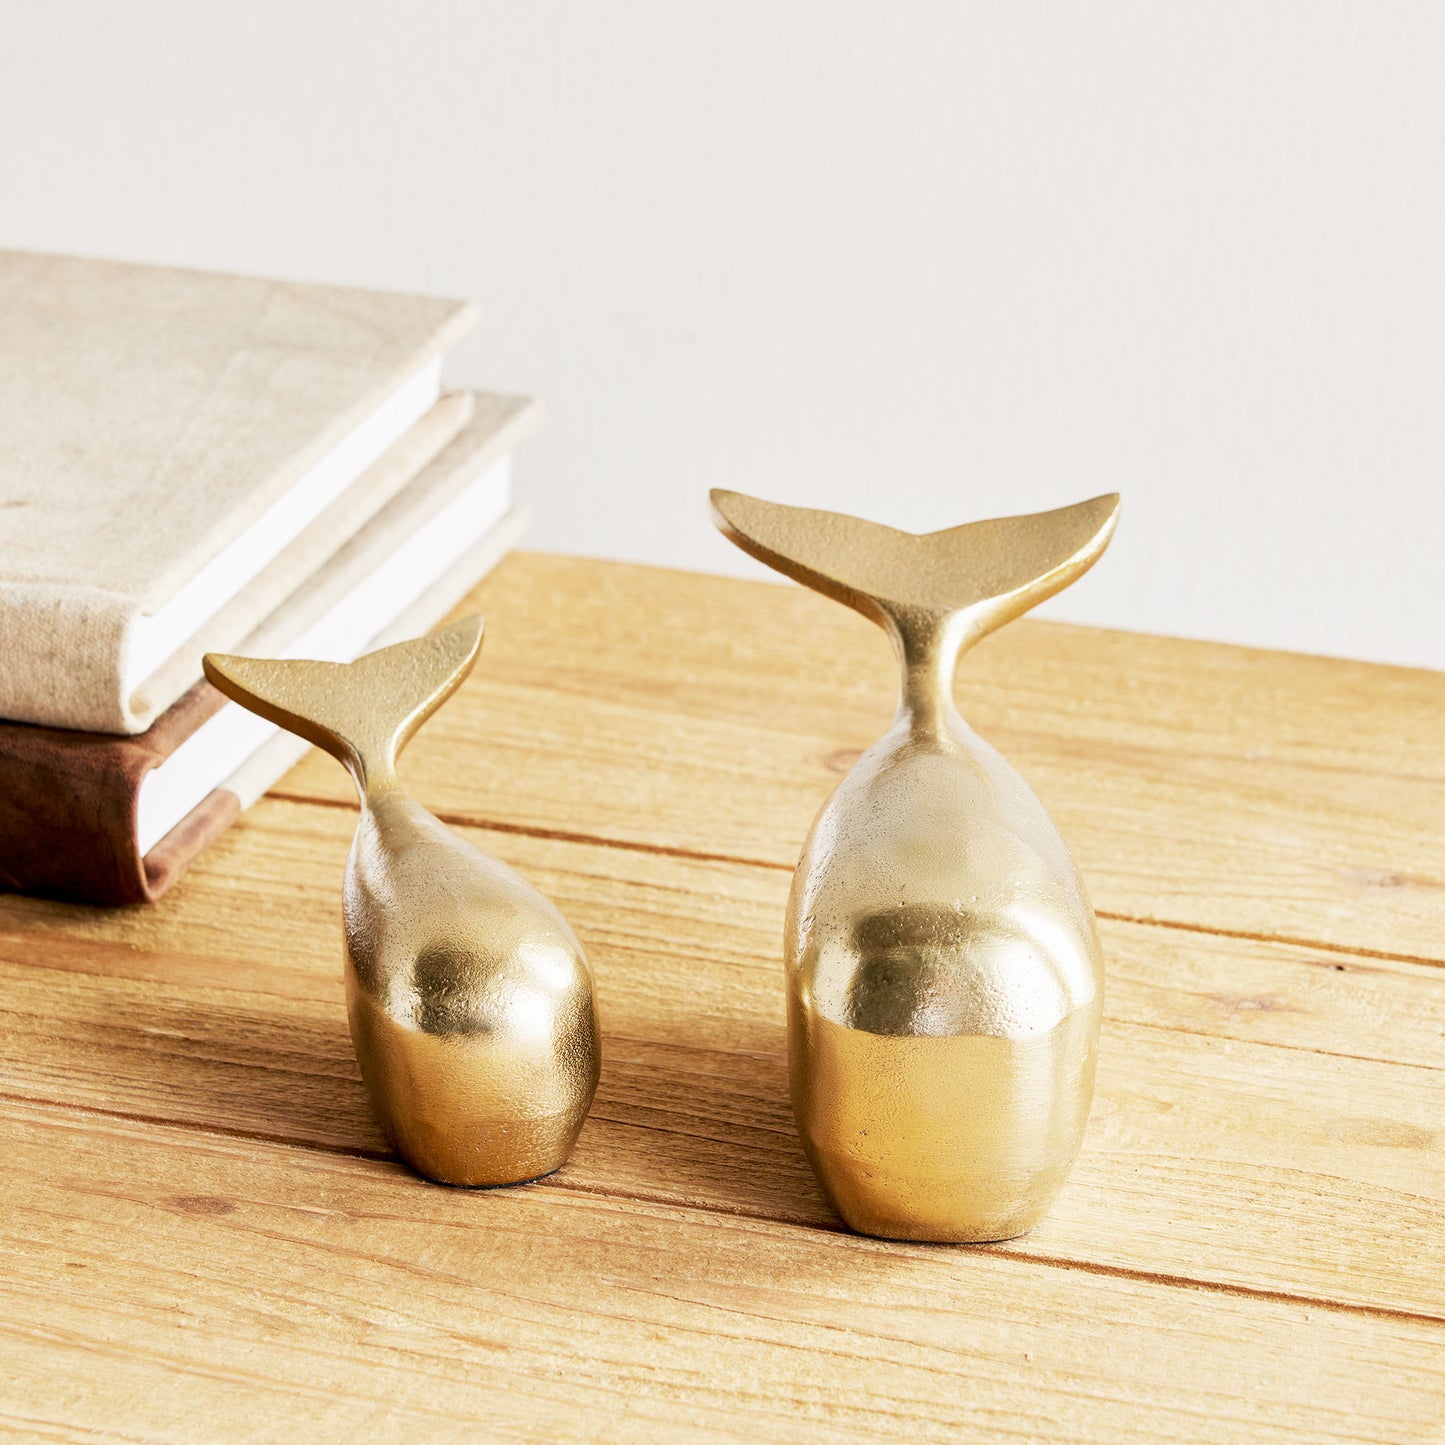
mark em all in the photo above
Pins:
pixel 167 434
pixel 77 809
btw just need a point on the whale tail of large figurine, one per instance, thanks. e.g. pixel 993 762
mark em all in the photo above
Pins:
pixel 978 576
pixel 363 713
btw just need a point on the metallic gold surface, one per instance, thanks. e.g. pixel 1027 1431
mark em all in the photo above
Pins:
pixel 944 977
pixel 469 997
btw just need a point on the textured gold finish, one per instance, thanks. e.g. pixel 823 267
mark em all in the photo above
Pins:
pixel 944 977
pixel 469 997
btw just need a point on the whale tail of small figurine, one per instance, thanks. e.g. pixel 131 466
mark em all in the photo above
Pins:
pixel 364 712
pixel 981 574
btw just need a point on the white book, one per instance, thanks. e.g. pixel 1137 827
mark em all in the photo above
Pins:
pixel 351 625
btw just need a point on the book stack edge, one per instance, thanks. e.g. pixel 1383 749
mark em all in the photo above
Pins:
pixel 387 504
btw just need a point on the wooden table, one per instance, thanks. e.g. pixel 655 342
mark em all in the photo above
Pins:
pixel 204 1235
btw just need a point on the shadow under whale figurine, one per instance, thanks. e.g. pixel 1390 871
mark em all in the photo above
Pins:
pixel 944 977
pixel 469 997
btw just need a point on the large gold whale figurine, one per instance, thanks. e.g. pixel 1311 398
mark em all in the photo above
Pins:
pixel 944 979
pixel 470 998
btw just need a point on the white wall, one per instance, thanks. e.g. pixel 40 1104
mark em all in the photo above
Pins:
pixel 926 261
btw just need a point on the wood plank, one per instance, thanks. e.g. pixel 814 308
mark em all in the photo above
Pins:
pixel 166 1284
pixel 1243 1087
pixel 1227 789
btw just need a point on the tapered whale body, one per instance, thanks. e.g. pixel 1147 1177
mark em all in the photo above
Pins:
pixel 944 979
pixel 469 998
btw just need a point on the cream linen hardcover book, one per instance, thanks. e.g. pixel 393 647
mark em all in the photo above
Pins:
pixel 167 435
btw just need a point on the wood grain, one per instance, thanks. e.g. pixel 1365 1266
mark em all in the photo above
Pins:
pixel 1239 1090
pixel 1224 788
pixel 174 1284
pixel 203 1234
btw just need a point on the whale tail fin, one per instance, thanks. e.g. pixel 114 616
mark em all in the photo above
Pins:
pixel 992 571
pixel 364 712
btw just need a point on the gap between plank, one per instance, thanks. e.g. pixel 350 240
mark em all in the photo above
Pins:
pixel 1248 936
pixel 552 835
pixel 1269 1044
pixel 837 1229
pixel 221 1131
pixel 629 845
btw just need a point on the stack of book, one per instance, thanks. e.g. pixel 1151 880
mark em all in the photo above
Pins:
pixel 194 462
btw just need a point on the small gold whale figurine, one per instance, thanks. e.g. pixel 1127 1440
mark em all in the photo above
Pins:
pixel 944 977
pixel 469 997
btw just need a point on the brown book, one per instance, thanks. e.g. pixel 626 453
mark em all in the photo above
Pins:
pixel 110 819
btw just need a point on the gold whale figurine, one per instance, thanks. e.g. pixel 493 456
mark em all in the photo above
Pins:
pixel 470 998
pixel 944 977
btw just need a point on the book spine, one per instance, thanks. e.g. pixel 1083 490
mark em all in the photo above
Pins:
pixel 64 651
pixel 68 815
